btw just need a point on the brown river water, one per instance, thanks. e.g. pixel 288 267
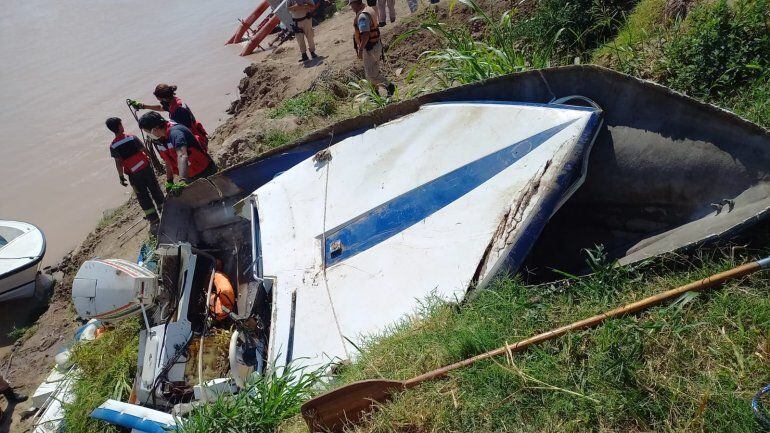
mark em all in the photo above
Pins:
pixel 65 66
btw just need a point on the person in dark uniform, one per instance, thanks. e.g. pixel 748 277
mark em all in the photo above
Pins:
pixel 177 110
pixel 180 150
pixel 132 160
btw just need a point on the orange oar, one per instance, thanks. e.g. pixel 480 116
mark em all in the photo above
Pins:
pixel 347 404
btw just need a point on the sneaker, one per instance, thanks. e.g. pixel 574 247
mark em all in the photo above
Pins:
pixel 14 397
pixel 391 88
pixel 313 55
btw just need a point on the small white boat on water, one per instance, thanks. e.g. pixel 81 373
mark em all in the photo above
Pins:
pixel 22 247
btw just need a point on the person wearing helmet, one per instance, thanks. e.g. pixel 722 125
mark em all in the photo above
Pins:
pixel 131 159
pixel 180 150
pixel 366 41
pixel 177 110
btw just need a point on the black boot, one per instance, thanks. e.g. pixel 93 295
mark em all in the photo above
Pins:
pixel 304 58
pixel 391 88
pixel 313 55
pixel 14 397
pixel 382 24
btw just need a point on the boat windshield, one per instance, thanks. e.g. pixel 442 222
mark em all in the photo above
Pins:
pixel 7 234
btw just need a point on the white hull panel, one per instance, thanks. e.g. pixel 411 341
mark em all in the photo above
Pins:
pixel 22 247
pixel 422 206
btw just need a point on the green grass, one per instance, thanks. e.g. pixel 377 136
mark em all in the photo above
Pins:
pixel 106 368
pixel 554 33
pixel 260 407
pixel 306 104
pixel 276 138
pixel 719 52
pixel 691 365
pixel 719 48
pixel 109 217
pixel 22 332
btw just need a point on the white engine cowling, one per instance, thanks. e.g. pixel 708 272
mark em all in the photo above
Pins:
pixel 112 289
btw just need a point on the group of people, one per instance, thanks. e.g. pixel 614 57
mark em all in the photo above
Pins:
pixel 181 141
pixel 366 34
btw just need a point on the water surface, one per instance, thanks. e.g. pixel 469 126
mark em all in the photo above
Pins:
pixel 67 66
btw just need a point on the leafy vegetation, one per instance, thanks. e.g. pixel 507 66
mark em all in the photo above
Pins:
pixel 260 407
pixel 719 48
pixel 560 30
pixel 718 52
pixel 21 332
pixel 691 365
pixel 553 33
pixel 306 104
pixel 105 369
pixel 276 138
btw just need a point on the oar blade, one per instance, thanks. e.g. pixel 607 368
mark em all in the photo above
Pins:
pixel 330 412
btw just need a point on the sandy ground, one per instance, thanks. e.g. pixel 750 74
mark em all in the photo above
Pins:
pixel 275 75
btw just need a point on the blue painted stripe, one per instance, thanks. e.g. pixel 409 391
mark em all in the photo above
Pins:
pixel 396 215
pixel 131 421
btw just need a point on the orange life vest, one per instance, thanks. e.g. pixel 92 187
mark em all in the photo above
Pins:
pixel 374 28
pixel 197 159
pixel 196 127
pixel 223 297
pixel 133 159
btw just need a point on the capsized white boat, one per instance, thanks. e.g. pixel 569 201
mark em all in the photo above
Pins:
pixel 22 247
pixel 429 204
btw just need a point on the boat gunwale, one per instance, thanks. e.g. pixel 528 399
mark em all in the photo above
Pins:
pixel 35 261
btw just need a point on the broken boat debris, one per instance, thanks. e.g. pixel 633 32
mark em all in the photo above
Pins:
pixel 343 232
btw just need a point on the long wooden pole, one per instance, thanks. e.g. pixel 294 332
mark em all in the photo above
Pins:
pixel 705 283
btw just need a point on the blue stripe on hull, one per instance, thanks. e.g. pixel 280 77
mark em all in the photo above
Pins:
pixel 130 421
pixel 396 215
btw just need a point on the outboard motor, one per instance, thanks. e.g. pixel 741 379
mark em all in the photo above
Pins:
pixel 112 289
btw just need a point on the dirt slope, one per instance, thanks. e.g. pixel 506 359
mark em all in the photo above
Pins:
pixel 274 76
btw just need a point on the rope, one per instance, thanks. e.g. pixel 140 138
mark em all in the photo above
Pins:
pixel 323 242
pixel 759 411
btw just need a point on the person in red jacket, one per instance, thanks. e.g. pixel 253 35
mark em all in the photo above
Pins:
pixel 177 110
pixel 180 150
pixel 132 160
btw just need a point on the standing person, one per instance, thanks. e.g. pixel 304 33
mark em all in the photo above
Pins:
pixel 180 150
pixel 302 15
pixel 177 110
pixel 366 40
pixel 131 159
pixel 382 5
pixel 10 394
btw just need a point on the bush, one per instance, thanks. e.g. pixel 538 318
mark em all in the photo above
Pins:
pixel 105 369
pixel 259 408
pixel 563 29
pixel 719 48
pixel 555 32
pixel 306 104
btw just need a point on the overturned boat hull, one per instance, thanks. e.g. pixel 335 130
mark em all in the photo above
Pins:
pixel 660 163
pixel 429 205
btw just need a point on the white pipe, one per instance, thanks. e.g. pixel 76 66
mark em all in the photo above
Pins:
pixel 203 336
